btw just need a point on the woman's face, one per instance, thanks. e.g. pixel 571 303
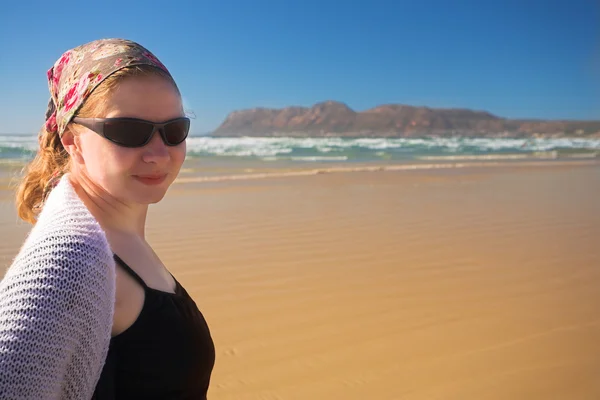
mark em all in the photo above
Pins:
pixel 128 173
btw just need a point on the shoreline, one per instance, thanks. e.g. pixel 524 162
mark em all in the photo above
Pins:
pixel 384 167
pixel 199 170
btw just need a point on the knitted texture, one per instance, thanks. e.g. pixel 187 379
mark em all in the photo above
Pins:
pixel 57 304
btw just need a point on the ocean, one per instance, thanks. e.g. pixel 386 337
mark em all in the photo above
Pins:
pixel 21 148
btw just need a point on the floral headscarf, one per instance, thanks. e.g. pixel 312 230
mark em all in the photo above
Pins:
pixel 80 70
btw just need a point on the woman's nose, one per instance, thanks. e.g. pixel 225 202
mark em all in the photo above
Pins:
pixel 156 150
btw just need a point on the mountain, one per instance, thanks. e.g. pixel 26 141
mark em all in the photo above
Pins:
pixel 333 118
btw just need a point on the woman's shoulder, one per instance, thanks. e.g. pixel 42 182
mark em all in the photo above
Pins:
pixel 66 240
pixel 65 219
pixel 64 209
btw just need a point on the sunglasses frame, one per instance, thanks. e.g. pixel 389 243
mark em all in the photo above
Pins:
pixel 97 126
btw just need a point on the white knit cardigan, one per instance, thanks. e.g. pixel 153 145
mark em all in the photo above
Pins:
pixel 57 304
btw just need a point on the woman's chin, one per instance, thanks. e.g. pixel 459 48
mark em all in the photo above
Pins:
pixel 151 197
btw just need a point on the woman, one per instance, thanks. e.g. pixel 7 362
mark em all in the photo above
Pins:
pixel 87 309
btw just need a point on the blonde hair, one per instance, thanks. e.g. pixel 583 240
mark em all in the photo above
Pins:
pixel 52 159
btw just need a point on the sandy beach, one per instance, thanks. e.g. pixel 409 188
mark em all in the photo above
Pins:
pixel 479 282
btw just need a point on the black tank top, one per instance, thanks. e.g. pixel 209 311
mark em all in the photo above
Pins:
pixel 167 353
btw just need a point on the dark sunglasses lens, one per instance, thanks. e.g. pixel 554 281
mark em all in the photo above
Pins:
pixel 177 131
pixel 128 133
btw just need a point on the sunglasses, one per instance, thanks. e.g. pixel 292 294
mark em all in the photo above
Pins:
pixel 133 132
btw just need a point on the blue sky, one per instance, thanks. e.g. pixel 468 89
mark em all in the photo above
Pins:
pixel 514 58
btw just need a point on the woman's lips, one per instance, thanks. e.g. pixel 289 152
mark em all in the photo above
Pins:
pixel 151 179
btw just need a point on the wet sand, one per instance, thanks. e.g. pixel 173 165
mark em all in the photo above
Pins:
pixel 454 283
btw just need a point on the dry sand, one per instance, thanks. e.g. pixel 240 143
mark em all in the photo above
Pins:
pixel 472 283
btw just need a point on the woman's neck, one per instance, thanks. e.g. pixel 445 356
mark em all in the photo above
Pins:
pixel 112 214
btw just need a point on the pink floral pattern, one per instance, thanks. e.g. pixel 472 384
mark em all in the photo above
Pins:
pixel 75 93
pixel 51 123
pixel 80 70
